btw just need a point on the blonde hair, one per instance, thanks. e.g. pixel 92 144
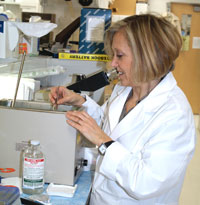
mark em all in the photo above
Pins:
pixel 154 41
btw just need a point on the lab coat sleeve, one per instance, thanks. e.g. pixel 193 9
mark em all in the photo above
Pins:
pixel 156 165
pixel 93 109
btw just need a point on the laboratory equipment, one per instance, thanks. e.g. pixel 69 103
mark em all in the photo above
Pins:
pixel 61 144
pixel 94 82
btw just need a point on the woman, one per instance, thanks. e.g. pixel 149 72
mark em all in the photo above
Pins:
pixel 147 133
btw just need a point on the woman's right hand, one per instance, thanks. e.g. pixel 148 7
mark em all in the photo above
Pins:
pixel 61 95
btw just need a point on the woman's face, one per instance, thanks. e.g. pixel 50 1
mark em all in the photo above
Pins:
pixel 122 59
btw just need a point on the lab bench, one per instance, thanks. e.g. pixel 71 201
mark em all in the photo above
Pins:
pixel 81 194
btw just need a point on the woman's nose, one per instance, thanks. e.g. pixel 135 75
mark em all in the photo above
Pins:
pixel 114 62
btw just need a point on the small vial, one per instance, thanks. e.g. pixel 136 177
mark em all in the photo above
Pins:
pixel 33 169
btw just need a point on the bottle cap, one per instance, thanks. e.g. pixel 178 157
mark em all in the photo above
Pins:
pixel 35 142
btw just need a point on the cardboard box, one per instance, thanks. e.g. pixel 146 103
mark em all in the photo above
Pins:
pixel 94 23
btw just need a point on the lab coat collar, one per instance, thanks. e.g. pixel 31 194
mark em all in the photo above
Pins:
pixel 150 105
pixel 116 105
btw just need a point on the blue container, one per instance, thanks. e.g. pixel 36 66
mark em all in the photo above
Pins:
pixel 9 195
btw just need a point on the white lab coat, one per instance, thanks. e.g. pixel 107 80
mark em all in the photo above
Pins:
pixel 153 145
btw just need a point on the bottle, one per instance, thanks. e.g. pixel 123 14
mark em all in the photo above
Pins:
pixel 33 169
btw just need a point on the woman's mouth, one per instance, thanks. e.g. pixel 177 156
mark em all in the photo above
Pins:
pixel 119 73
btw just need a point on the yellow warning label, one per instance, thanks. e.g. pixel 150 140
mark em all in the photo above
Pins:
pixel 86 57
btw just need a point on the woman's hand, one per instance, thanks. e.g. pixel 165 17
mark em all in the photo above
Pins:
pixel 62 95
pixel 81 121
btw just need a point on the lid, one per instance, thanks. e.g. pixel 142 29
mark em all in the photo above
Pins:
pixel 8 195
pixel 35 142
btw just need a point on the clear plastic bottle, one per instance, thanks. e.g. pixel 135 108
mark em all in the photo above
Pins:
pixel 33 169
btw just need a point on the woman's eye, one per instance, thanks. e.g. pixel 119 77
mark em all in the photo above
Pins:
pixel 119 55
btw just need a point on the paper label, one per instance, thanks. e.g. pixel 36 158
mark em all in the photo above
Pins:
pixel 33 173
pixel 95 28
pixel 196 43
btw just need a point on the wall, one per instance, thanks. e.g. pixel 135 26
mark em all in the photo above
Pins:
pixel 13 7
pixel 65 13
pixel 160 6
pixel 121 8
pixel 29 6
